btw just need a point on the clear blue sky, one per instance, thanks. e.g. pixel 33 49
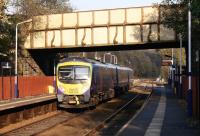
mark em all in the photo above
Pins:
pixel 104 4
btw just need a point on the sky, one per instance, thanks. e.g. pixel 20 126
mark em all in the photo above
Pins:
pixel 107 4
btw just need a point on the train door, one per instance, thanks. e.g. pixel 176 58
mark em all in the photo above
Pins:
pixel 117 85
pixel 94 85
pixel 98 80
pixel 117 77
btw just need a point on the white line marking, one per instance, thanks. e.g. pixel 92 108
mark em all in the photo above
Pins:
pixel 156 124
pixel 131 120
pixel 22 101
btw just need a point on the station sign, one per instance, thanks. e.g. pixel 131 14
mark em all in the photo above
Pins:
pixel 5 65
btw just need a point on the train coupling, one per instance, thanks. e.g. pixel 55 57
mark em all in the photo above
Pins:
pixel 74 100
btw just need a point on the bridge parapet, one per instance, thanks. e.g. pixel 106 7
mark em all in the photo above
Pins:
pixel 98 28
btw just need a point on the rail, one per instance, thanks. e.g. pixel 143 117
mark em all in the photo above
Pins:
pixel 102 124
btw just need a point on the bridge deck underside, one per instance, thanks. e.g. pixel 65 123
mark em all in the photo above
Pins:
pixel 155 45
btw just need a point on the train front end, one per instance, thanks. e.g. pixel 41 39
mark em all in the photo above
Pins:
pixel 73 84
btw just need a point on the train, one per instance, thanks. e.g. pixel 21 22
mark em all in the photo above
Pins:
pixel 83 82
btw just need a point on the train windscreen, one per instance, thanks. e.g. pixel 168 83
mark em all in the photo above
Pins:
pixel 73 74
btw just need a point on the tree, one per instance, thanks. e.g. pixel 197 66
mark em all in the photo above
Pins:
pixel 2 9
pixel 6 30
pixel 29 8
pixel 26 9
pixel 145 63
pixel 175 16
pixel 22 10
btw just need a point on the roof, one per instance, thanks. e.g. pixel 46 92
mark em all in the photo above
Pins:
pixel 93 61
pixel 81 59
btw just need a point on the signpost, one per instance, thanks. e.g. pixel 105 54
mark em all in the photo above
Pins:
pixel 5 66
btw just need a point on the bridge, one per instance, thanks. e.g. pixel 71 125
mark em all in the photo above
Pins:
pixel 139 27
pixel 113 29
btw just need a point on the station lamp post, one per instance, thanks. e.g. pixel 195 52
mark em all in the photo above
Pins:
pixel 189 62
pixel 16 59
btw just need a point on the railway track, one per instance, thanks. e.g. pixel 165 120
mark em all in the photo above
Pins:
pixel 108 119
pixel 84 122
pixel 43 124
pixel 112 124
pixel 88 119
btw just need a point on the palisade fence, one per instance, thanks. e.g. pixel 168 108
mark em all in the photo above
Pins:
pixel 27 86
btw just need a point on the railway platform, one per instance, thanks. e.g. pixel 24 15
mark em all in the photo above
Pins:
pixel 162 115
pixel 15 103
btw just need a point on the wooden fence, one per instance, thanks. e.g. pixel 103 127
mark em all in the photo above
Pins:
pixel 27 86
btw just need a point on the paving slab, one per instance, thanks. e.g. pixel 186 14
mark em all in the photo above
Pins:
pixel 162 116
pixel 14 103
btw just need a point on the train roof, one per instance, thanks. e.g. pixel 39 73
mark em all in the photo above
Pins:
pixel 94 62
pixel 79 59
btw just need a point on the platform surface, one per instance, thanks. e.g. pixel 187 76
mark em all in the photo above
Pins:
pixel 163 115
pixel 14 103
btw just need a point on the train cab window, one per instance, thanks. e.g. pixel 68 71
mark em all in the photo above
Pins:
pixel 81 73
pixel 66 73
pixel 73 74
